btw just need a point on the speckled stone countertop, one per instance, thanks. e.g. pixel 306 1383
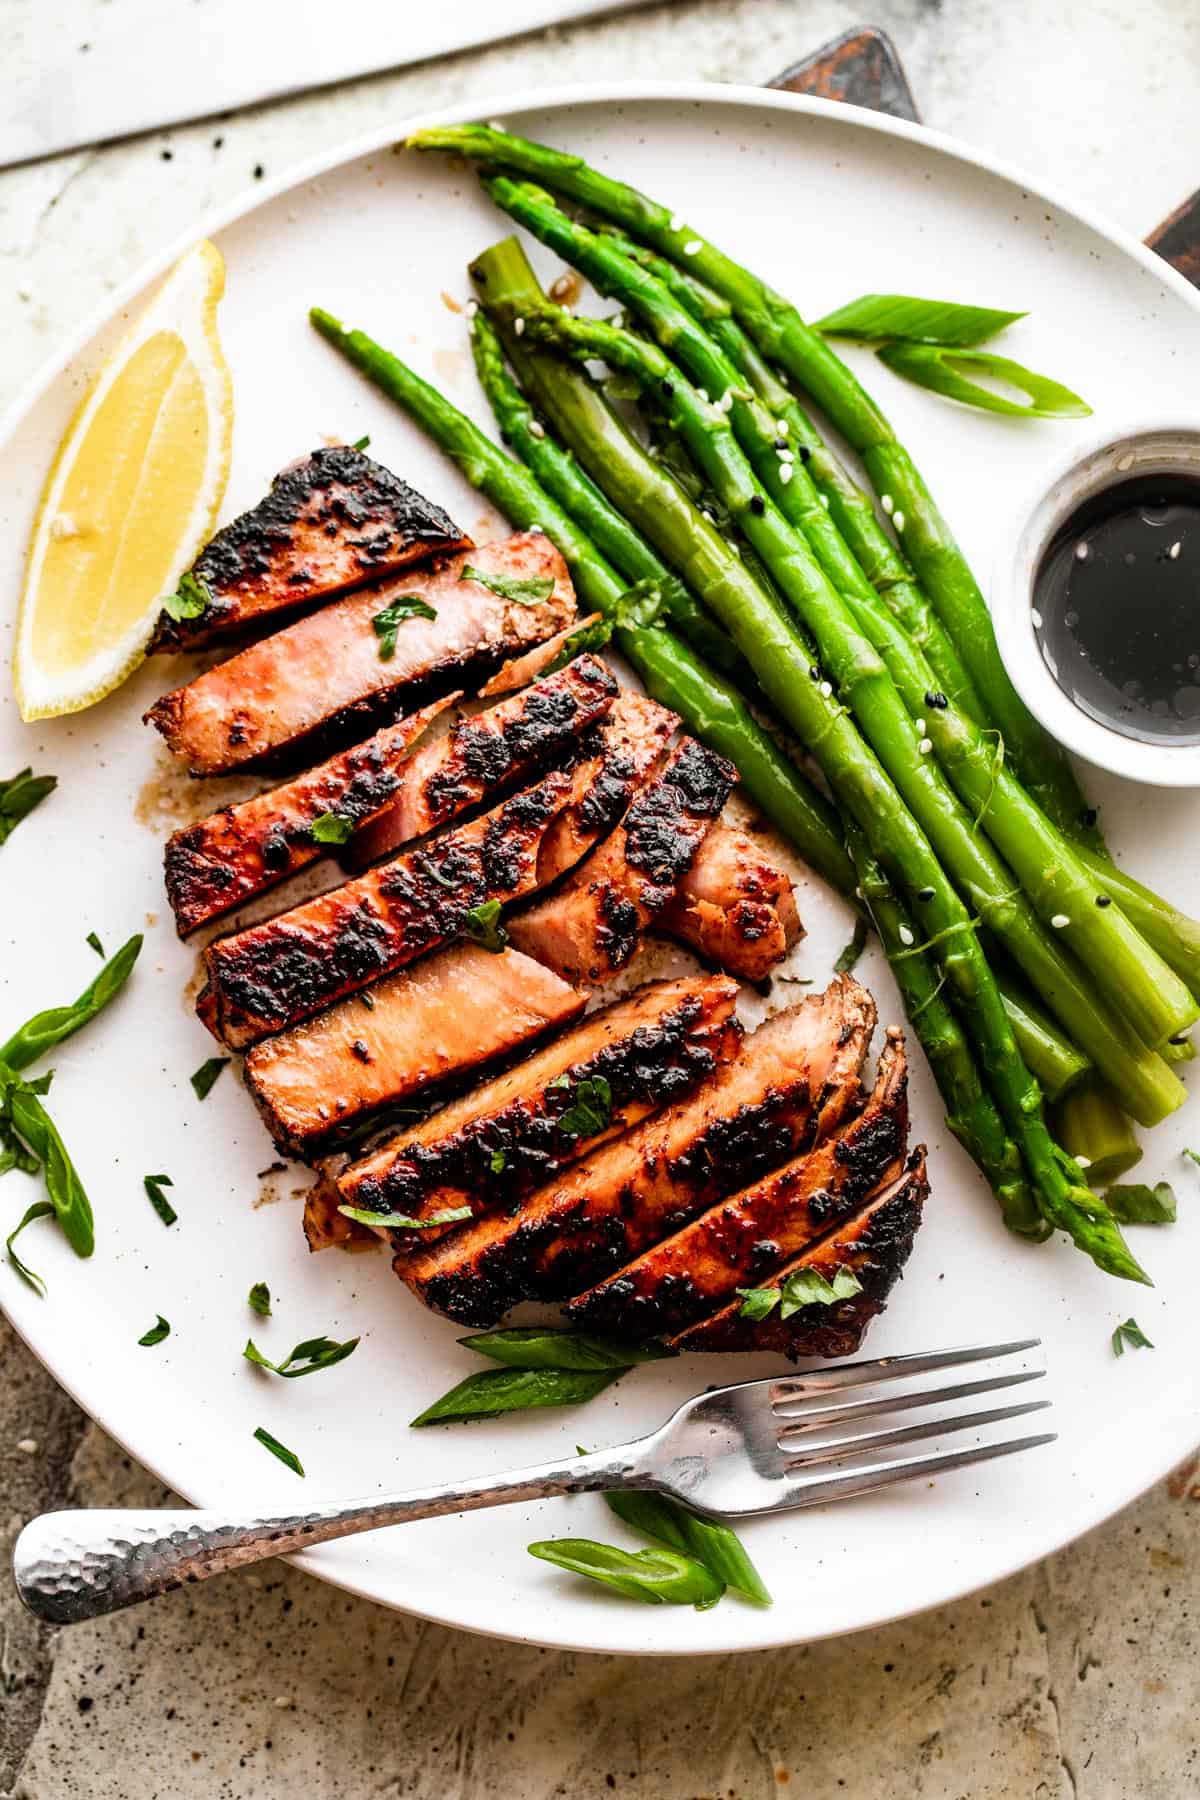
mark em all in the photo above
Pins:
pixel 1073 1681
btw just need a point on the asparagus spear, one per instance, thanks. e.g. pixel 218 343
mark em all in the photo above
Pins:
pixel 779 331
pixel 710 706
pixel 1095 1131
pixel 1136 980
pixel 970 1110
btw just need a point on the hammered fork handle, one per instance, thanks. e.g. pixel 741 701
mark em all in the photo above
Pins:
pixel 71 1566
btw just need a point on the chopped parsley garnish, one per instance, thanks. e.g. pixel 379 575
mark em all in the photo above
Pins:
pixel 41 1209
pixel 395 1221
pixel 285 1455
pixel 1194 1154
pixel 484 927
pixel 853 950
pixel 331 828
pixel 362 442
pixel 157 1332
pixel 95 943
pixel 588 637
pixel 313 1354
pixel 191 598
pixel 497 1162
pixel 154 1185
pixel 205 1077
pixel 19 796
pixel 388 622
pixel 1131 1334
pixel 259 1299
pixel 804 1287
pixel 525 590
pixel 590 1110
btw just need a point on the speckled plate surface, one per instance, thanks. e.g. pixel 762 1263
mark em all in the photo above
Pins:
pixel 828 203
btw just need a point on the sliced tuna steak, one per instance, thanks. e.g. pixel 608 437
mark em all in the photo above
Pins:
pixel 495 1145
pixel 793 1082
pixel 427 1025
pixel 339 671
pixel 272 975
pixel 332 521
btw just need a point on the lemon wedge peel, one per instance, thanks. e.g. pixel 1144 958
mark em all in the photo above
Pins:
pixel 131 497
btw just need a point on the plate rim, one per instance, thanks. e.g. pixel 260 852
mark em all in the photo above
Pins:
pixel 561 97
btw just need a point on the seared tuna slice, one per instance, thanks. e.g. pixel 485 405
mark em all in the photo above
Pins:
pixel 495 1145
pixel 427 1025
pixel 793 1082
pixel 747 1236
pixel 735 907
pixel 274 974
pixel 344 668
pixel 483 754
pixel 247 849
pixel 591 927
pixel 332 521
pixel 874 1245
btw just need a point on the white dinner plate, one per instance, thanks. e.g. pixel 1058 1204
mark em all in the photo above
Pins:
pixel 828 202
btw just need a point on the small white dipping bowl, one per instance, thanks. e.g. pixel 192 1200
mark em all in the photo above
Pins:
pixel 1172 447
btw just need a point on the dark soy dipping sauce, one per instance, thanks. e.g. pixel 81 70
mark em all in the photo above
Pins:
pixel 1117 608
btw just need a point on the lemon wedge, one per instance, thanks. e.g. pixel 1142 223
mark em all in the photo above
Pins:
pixel 131 497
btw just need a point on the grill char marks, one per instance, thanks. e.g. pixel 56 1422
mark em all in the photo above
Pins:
pixel 324 678
pixel 793 1081
pixel 744 1238
pixel 487 752
pixel 331 522
pixel 875 1244
pixel 245 850
pixel 428 1025
pixel 734 906
pixel 272 975
pixel 592 926
pixel 651 1049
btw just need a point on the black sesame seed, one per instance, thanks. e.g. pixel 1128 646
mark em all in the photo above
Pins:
pixel 668 388
pixel 259 171
pixel 780 444
pixel 1090 816
pixel 936 699
pixel 1103 900
pixel 167 155
pixel 757 504
pixel 804 453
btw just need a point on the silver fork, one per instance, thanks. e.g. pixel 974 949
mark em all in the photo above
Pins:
pixel 758 1447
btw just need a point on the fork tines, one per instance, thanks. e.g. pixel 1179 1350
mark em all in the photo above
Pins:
pixel 800 1404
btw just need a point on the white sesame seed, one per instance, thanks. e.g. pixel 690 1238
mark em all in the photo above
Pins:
pixel 898 520
pixel 471 308
pixel 786 455
pixel 1081 551
pixel 785 473
pixel 676 221
pixel 283 1702
pixel 519 327
pixel 906 936
pixel 781 428
pixel 538 530
pixel 920 727
pixel 704 512
pixel 1126 462
pixel 495 124
pixel 1173 552
pixel 536 428
pixel 618 321
pixel 887 503
pixel 825 501
pixel 1036 616
pixel 27 1446
pixel 24 293
pixel 63 525
pixel 925 746
pixel 1059 921
pixel 1083 1162
pixel 693 247
pixel 826 688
